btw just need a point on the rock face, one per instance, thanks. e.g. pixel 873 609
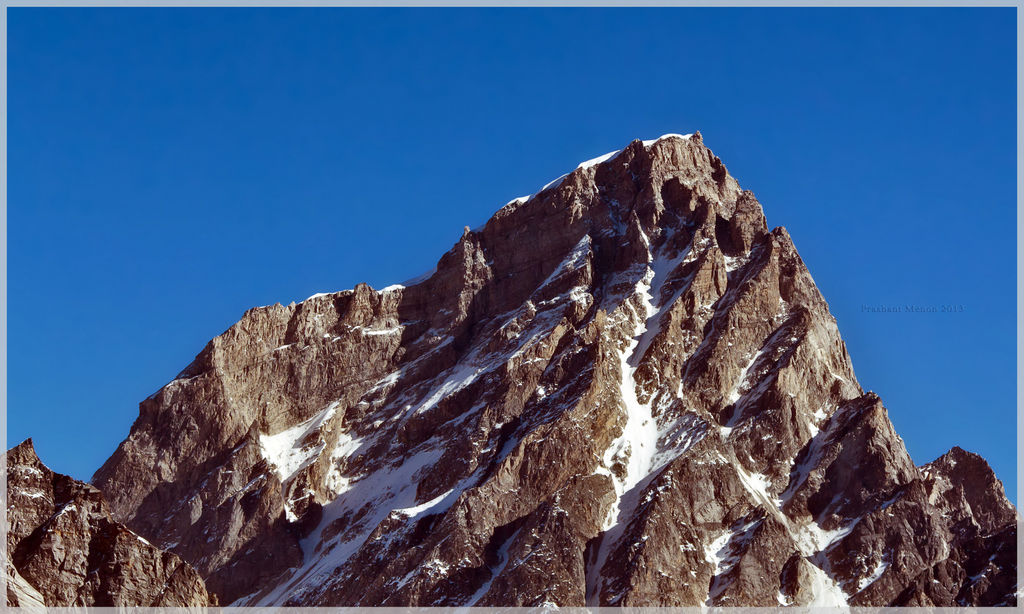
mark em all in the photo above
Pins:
pixel 623 390
pixel 65 550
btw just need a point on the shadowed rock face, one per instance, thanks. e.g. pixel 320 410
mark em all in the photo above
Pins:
pixel 65 550
pixel 623 390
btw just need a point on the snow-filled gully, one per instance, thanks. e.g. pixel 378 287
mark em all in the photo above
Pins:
pixel 638 445
pixel 388 489
pixel 638 442
pixel 812 541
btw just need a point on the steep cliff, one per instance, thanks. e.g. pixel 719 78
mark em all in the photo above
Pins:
pixel 65 550
pixel 624 389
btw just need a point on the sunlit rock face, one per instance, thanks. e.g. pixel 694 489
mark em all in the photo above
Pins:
pixel 65 550
pixel 623 390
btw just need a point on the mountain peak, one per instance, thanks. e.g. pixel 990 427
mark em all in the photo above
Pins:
pixel 626 371
pixel 24 450
pixel 65 550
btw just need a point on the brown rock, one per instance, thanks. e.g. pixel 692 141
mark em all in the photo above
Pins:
pixel 65 550
pixel 622 390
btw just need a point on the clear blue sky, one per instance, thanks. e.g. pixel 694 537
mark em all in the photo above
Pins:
pixel 169 169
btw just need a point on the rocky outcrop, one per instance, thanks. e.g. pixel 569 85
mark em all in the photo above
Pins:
pixel 625 389
pixel 65 550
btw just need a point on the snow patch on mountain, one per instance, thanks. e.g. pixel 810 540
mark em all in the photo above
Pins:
pixel 876 573
pixel 667 136
pixel 290 450
pixel 724 553
pixel 595 161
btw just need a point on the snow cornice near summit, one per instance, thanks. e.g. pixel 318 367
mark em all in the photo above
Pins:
pixel 554 183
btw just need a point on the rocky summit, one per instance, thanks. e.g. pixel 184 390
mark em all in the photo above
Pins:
pixel 65 550
pixel 623 390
